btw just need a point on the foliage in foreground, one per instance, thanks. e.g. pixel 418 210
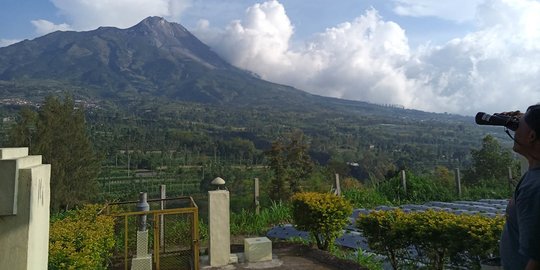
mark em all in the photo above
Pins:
pixel 367 260
pixel 81 240
pixel 323 215
pixel 439 238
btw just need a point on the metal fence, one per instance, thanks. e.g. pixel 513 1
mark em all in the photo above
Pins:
pixel 168 238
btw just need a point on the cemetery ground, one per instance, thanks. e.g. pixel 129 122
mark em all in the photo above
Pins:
pixel 291 256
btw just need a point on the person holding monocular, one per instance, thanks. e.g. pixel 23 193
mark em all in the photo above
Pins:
pixel 520 240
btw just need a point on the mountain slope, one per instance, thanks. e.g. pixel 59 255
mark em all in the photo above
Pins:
pixel 152 58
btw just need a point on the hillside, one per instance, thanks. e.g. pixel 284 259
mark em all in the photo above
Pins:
pixel 158 80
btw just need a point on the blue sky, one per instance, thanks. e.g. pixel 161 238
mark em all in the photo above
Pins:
pixel 459 56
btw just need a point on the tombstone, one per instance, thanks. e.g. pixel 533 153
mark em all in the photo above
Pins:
pixel 24 210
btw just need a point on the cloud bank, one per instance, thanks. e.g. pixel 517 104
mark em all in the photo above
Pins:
pixel 495 68
pixel 456 10
pixel 84 15
pixel 44 27
pixel 6 42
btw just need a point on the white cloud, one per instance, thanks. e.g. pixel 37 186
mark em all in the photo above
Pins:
pixel 456 10
pixel 494 69
pixel 7 42
pixel 87 15
pixel 362 59
pixel 44 27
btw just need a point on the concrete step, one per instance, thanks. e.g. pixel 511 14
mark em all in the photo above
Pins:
pixel 13 153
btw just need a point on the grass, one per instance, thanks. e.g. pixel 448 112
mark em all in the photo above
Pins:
pixel 367 260
pixel 249 223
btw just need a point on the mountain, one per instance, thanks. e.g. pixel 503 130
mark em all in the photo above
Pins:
pixel 159 70
pixel 154 58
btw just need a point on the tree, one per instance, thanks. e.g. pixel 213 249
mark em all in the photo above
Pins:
pixel 491 162
pixel 279 183
pixel 290 162
pixel 58 133
pixel 25 127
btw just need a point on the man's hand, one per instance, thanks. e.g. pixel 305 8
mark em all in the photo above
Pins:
pixel 517 114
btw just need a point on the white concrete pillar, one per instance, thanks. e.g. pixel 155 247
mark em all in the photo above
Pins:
pixel 24 210
pixel 219 227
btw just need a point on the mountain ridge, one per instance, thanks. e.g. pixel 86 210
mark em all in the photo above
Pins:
pixel 152 59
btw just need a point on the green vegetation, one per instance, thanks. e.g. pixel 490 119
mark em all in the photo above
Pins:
pixel 58 133
pixel 438 237
pixel 367 260
pixel 289 161
pixel 323 215
pixel 491 162
pixel 81 239
pixel 248 223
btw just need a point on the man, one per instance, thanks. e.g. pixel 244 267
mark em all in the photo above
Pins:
pixel 520 240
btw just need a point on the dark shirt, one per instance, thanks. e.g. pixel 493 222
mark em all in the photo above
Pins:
pixel 520 240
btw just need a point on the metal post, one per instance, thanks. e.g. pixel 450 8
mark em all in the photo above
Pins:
pixel 142 205
pixel 458 182
pixel 256 197
pixel 163 195
pixel 404 181
pixel 338 186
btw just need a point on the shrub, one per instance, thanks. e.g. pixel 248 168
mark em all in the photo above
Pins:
pixel 323 215
pixel 438 237
pixel 82 240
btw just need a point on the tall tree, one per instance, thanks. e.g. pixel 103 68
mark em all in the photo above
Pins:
pixel 291 164
pixel 490 162
pixel 279 189
pixel 58 133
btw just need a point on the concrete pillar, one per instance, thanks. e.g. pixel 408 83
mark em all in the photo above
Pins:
pixel 219 227
pixel 24 210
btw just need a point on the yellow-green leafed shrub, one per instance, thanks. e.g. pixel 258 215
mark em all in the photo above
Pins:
pixel 439 237
pixel 82 240
pixel 324 215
